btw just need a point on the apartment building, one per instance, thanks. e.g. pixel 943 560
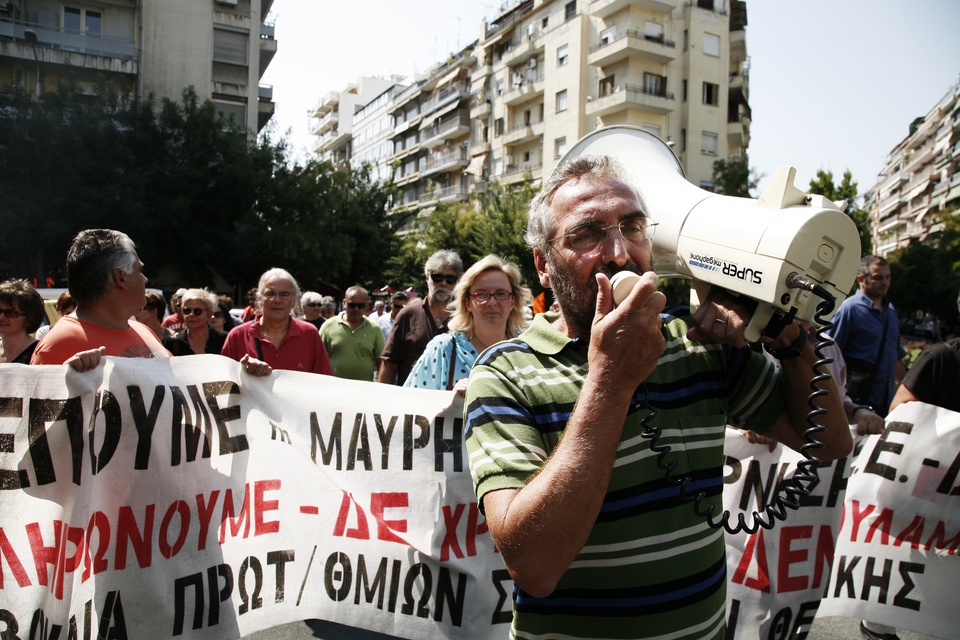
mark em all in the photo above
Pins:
pixel 550 71
pixel 546 72
pixel 334 113
pixel 920 179
pixel 430 137
pixel 220 47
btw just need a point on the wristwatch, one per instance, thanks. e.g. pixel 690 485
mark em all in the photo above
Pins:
pixel 793 350
pixel 865 407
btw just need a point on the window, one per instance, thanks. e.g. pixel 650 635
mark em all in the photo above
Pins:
pixel 559 147
pixel 561 101
pixel 608 35
pixel 654 85
pixel 227 110
pixel 527 118
pixel 498 167
pixel 563 55
pixel 686 39
pixel 708 143
pixel 499 87
pixel 705 4
pixel 684 91
pixel 683 140
pixel 653 31
pixel 606 86
pixel 570 10
pixel 711 45
pixel 230 46
pixel 545 22
pixel 82 21
pixel 498 127
pixel 711 93
pixel 706 185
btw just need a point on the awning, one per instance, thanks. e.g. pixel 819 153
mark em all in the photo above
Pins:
pixel 430 119
pixel 953 194
pixel 476 165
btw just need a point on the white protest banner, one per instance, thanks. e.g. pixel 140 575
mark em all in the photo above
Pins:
pixel 179 498
pixel 897 559
pixel 775 577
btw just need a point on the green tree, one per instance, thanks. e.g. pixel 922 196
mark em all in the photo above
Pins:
pixel 203 200
pixel 926 274
pixel 493 221
pixel 823 185
pixel 734 177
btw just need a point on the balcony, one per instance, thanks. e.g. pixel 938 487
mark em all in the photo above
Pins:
pixel 55 45
pixel 332 139
pixel 632 43
pixel 446 161
pixel 480 107
pixel 630 97
pixel 524 92
pixel 606 8
pixel 328 122
pixel 268 46
pixel 514 175
pixel 445 96
pixel 519 52
pixel 265 105
pixel 521 134
pixel 437 134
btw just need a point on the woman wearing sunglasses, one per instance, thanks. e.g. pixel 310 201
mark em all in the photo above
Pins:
pixel 21 312
pixel 221 320
pixel 197 306
pixel 487 307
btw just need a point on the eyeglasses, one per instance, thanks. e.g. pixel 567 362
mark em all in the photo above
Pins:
pixel 440 277
pixel 586 238
pixel 356 305
pixel 283 295
pixel 313 304
pixel 398 306
pixel 11 313
pixel 483 296
pixel 197 311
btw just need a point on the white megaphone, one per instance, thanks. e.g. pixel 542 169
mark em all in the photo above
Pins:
pixel 774 249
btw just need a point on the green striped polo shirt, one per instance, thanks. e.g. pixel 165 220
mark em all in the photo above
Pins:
pixel 651 567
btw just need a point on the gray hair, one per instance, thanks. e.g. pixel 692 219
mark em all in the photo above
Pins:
pixel 310 296
pixel 539 219
pixel 92 257
pixel 200 295
pixel 443 259
pixel 328 304
pixel 277 274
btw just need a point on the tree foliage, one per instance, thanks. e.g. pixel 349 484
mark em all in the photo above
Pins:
pixel 204 202
pixel 823 185
pixel 926 274
pixel 734 177
pixel 493 221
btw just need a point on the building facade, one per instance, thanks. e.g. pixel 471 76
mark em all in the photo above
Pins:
pixel 546 72
pixel 920 180
pixel 142 47
pixel 334 112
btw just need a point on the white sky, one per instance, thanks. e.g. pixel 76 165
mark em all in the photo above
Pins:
pixel 834 84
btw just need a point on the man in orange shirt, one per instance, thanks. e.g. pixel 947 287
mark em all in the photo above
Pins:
pixel 105 277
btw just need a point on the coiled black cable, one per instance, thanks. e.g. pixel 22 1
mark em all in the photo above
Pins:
pixel 803 481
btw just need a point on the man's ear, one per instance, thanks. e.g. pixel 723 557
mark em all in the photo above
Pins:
pixel 543 268
pixel 119 278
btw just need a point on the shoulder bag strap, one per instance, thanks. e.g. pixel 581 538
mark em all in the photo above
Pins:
pixel 453 362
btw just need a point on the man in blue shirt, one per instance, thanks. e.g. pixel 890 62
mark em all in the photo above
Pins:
pixel 863 321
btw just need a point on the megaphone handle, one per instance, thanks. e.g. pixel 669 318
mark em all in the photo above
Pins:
pixel 699 290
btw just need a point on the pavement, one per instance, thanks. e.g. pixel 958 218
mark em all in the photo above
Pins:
pixel 823 629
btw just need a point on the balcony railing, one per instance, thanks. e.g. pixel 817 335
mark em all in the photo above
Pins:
pixel 67 40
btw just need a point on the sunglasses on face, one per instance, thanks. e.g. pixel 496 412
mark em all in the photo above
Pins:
pixel 398 306
pixel 11 313
pixel 314 304
pixel 218 314
pixel 197 311
pixel 440 277
pixel 356 305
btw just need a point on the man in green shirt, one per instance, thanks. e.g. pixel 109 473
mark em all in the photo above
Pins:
pixel 597 541
pixel 352 340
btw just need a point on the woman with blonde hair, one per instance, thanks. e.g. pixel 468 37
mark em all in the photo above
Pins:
pixel 197 307
pixel 487 307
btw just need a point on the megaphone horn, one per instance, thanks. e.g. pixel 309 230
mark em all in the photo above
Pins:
pixel 758 248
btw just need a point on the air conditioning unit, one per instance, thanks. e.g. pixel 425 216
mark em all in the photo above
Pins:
pixel 532 63
pixel 509 161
